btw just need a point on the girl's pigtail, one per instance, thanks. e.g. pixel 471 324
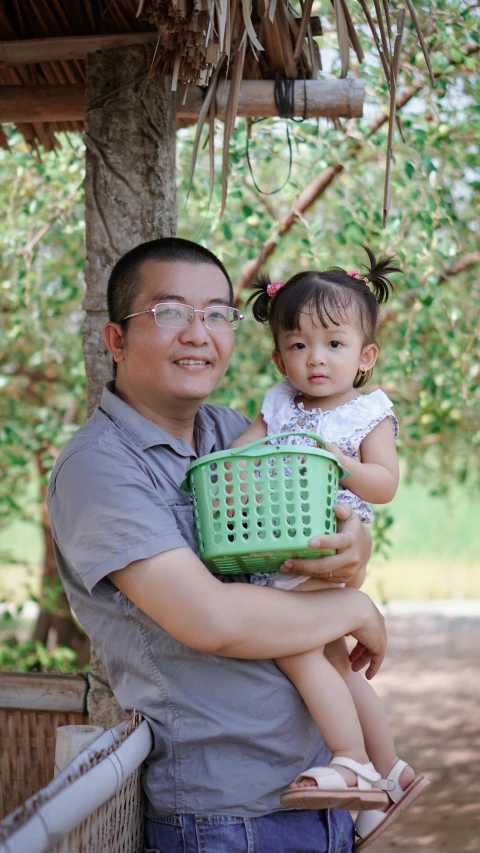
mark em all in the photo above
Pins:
pixel 377 275
pixel 260 300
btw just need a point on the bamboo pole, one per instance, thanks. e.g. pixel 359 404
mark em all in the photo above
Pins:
pixel 31 51
pixel 330 98
pixel 43 692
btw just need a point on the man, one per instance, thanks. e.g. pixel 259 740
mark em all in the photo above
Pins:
pixel 192 653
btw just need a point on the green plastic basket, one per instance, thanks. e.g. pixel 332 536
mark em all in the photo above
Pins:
pixel 260 504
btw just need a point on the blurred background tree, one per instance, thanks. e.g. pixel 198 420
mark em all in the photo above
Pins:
pixel 42 376
pixel 429 334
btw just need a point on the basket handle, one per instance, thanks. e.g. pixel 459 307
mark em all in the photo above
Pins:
pixel 245 449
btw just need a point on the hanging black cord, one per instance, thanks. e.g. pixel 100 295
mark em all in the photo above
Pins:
pixel 290 162
pixel 284 93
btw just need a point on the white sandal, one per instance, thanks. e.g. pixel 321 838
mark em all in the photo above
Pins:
pixel 332 790
pixel 370 826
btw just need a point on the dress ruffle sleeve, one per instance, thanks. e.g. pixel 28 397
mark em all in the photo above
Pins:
pixel 276 406
pixel 354 420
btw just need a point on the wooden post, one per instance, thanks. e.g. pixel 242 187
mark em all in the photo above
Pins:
pixel 129 199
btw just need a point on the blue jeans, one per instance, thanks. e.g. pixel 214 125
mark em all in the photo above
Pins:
pixel 279 832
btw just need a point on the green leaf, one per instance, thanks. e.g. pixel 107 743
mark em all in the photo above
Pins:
pixel 409 169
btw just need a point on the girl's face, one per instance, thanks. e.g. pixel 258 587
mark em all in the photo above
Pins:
pixel 323 362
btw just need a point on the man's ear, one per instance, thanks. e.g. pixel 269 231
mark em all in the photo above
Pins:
pixel 368 358
pixel 278 362
pixel 114 338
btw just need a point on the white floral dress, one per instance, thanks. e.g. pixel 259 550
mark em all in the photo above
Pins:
pixel 346 427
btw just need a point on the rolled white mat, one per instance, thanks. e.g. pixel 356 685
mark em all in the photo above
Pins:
pixel 71 741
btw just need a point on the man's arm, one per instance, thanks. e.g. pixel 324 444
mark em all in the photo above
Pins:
pixel 178 592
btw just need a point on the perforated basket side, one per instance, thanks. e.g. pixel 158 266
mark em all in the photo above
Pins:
pixel 253 513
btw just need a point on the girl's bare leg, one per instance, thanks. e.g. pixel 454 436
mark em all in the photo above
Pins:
pixel 376 731
pixel 330 703
pixel 377 736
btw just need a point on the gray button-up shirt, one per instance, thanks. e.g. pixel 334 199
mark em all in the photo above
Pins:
pixel 229 735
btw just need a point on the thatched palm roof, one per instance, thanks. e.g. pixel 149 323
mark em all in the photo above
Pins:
pixel 255 38
pixel 196 42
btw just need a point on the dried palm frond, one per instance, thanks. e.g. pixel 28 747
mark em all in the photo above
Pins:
pixel 231 112
pixel 343 38
pixel 383 58
pixel 393 109
pixel 378 44
pixel 281 19
pixel 387 18
pixel 211 149
pixel 247 20
pixel 272 7
pixel 209 99
pixel 352 33
pixel 381 27
pixel 421 39
pixel 302 30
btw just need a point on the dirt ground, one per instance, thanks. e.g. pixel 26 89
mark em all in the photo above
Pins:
pixel 430 683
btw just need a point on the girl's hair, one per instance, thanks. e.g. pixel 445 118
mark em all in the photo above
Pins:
pixel 330 295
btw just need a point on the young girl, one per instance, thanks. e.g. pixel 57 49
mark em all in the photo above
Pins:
pixel 323 325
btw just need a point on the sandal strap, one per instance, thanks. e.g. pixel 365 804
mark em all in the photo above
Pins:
pixel 325 777
pixel 392 782
pixel 366 773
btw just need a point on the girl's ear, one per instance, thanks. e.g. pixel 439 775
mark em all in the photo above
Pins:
pixel 278 362
pixel 368 358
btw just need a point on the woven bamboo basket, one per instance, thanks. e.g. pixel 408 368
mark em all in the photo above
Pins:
pixel 116 827
pixel 95 804
pixel 32 706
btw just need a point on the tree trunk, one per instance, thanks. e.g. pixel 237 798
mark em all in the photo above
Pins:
pixel 129 198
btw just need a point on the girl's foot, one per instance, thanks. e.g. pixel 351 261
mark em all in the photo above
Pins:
pixel 345 784
pixel 406 778
pixel 403 788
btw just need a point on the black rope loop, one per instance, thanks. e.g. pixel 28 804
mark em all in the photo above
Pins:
pixel 284 94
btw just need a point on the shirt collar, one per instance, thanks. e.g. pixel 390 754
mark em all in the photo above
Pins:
pixel 147 434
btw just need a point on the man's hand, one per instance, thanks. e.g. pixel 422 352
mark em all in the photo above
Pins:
pixel 371 644
pixel 353 544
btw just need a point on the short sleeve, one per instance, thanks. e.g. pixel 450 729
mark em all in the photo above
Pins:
pixel 380 407
pixel 106 512
pixel 351 423
pixel 276 406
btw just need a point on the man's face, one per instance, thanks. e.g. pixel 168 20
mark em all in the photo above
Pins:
pixel 163 365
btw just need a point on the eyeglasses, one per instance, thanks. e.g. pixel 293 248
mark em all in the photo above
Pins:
pixel 176 315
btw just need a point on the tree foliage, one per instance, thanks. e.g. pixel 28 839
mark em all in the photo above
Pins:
pixel 41 257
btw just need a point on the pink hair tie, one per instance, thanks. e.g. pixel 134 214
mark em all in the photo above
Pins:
pixel 274 287
pixel 356 274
